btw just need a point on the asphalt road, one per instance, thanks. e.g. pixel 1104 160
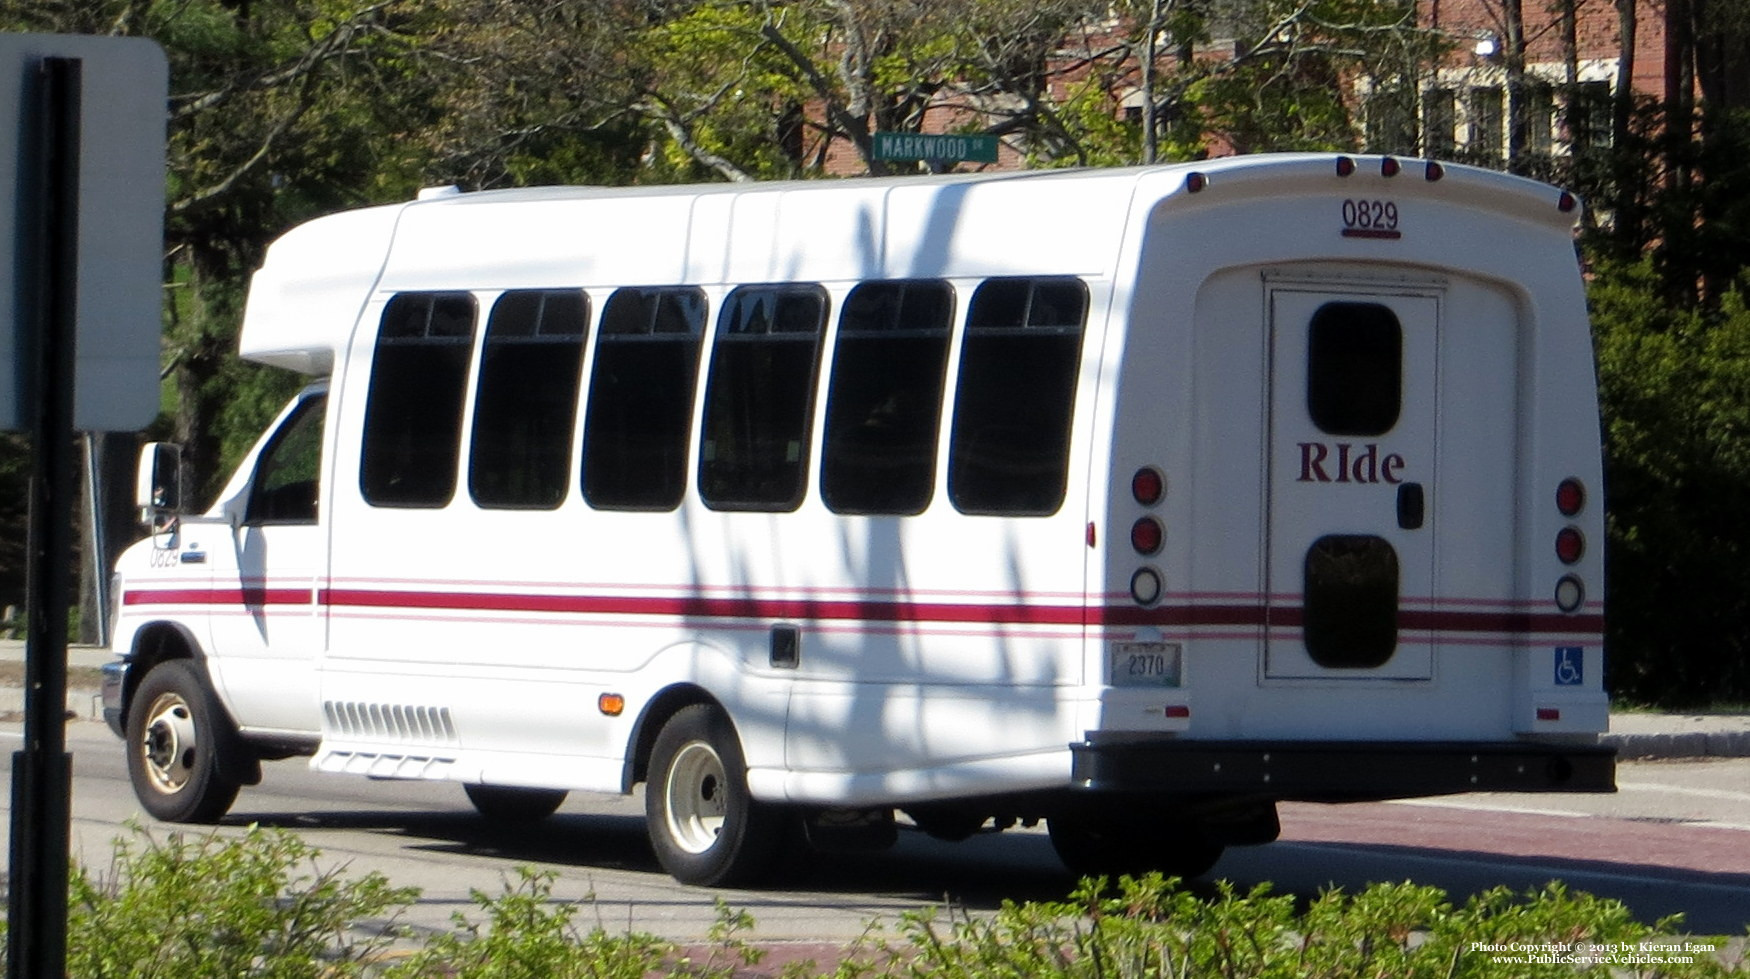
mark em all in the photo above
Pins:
pixel 1675 839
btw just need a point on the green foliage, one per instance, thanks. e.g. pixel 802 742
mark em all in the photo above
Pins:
pixel 1675 389
pixel 225 908
pixel 1150 929
pixel 258 905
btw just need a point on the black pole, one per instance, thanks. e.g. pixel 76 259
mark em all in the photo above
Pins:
pixel 42 769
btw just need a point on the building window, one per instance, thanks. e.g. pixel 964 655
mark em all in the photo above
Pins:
pixel 1589 115
pixel 1439 119
pixel 1483 129
pixel 641 391
pixel 413 409
pixel 1538 117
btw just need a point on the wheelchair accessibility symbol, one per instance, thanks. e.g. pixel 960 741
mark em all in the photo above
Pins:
pixel 1570 666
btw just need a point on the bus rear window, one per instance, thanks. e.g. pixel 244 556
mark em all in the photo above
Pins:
pixel 641 398
pixel 1009 450
pixel 413 411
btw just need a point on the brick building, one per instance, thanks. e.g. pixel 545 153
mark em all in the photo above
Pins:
pixel 1463 108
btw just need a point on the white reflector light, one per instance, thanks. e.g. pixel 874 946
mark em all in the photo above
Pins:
pixel 1145 586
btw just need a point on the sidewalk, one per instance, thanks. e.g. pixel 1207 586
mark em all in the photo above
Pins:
pixel 1636 734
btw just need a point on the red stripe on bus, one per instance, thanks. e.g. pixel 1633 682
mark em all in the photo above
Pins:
pixel 220 596
pixel 1256 615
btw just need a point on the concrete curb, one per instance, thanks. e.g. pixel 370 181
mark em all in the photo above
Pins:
pixel 84 703
pixel 1680 744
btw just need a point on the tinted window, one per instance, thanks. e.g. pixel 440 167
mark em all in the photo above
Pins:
pixel 884 402
pixel 759 398
pixel 530 369
pixel 1009 451
pixel 641 399
pixel 1351 617
pixel 413 412
pixel 289 472
pixel 1354 371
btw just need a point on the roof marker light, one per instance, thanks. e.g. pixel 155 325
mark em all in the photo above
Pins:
pixel 1433 171
pixel 1345 166
pixel 1567 202
pixel 1195 181
pixel 1389 166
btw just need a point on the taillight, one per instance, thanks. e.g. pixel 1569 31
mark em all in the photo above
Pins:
pixel 1570 497
pixel 1570 545
pixel 1148 486
pixel 1147 535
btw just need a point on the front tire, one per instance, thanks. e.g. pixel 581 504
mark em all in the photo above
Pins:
pixel 704 826
pixel 177 737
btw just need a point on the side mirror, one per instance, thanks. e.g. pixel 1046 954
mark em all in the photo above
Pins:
pixel 158 485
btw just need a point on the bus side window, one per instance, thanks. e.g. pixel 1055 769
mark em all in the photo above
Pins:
pixel 413 412
pixel 530 369
pixel 641 399
pixel 1008 453
pixel 287 478
pixel 884 400
pixel 759 398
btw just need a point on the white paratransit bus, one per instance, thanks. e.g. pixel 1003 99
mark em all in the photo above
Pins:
pixel 1134 501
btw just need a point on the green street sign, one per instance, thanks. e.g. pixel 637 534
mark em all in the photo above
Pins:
pixel 945 148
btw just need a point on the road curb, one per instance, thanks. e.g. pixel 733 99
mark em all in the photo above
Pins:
pixel 1680 744
pixel 84 703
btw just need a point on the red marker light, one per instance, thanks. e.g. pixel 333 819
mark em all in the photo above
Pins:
pixel 1147 535
pixel 1570 545
pixel 1345 166
pixel 1148 486
pixel 1570 497
pixel 1389 166
pixel 1434 171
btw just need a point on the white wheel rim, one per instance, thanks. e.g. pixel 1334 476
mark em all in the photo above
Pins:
pixel 168 743
pixel 696 797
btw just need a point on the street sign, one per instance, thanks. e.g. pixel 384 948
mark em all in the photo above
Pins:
pixel 119 229
pixel 936 147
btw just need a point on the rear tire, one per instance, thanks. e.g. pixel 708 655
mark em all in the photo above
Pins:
pixel 178 741
pixel 1096 845
pixel 514 805
pixel 704 826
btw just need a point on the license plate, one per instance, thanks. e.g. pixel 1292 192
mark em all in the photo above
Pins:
pixel 1145 664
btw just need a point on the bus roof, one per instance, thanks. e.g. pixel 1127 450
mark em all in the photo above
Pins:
pixel 317 279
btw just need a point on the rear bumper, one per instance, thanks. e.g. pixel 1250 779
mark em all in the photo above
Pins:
pixel 1338 770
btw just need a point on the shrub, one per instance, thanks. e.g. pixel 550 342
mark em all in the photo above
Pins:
pixel 226 908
